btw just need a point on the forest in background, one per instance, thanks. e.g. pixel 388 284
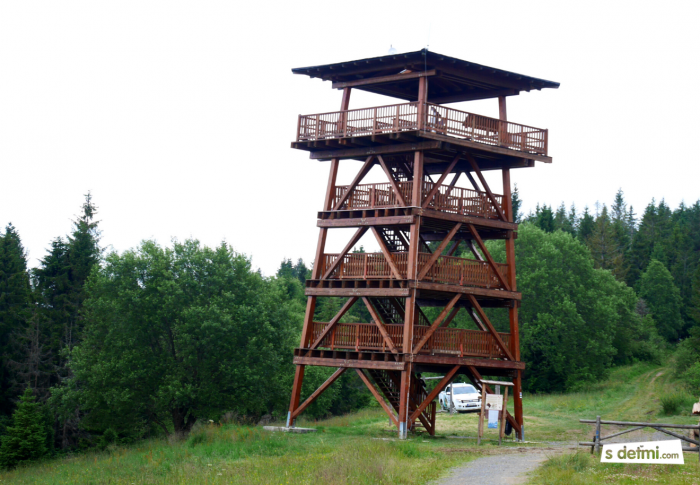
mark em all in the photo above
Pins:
pixel 146 342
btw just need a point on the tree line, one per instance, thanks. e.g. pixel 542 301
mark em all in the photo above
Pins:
pixel 101 347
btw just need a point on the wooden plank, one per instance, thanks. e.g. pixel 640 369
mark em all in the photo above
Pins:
pixel 439 182
pixel 485 320
pixel 367 221
pixel 490 260
pixel 438 252
pixel 392 181
pixel 362 152
pixel 348 304
pixel 318 392
pixel 358 178
pixel 436 324
pixel 485 185
pixel 635 423
pixel 356 237
pixel 450 317
pixel 387 254
pixel 380 325
pixel 398 292
pixel 467 361
pixel 483 147
pixel 467 290
pixel 377 396
pixel 350 363
pixel 477 221
pixel 434 393
pixel 383 79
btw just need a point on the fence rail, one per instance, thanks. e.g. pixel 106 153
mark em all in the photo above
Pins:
pixel 436 118
pixel 634 426
pixel 447 269
pixel 456 200
pixel 366 336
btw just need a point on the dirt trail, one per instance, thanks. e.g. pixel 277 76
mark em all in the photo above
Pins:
pixel 509 468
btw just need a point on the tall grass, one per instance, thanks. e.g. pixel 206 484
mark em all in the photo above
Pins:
pixel 340 452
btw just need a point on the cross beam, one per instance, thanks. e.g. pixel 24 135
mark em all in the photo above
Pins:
pixel 336 319
pixel 490 260
pixel 436 324
pixel 380 326
pixel 318 392
pixel 358 178
pixel 485 320
pixel 356 237
pixel 496 205
pixel 433 394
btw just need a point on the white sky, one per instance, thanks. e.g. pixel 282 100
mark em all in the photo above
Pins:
pixel 178 116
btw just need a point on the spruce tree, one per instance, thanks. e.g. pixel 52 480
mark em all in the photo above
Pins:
pixel 585 226
pixel 25 440
pixel 517 203
pixel 15 311
pixel 662 297
pixel 562 221
pixel 544 218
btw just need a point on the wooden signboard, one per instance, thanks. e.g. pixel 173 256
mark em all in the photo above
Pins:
pixel 493 402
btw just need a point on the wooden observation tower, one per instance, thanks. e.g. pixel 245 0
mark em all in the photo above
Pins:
pixel 420 216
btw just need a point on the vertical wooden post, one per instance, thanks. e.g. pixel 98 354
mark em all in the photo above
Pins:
pixel 422 100
pixel 596 447
pixel 417 195
pixel 404 396
pixel 481 414
pixel 513 311
pixel 503 125
pixel 296 393
pixel 344 106
pixel 408 322
pixel 502 417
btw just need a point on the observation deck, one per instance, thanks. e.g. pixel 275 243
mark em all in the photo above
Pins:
pixel 428 120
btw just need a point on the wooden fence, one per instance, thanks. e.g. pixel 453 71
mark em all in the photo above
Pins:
pixel 437 119
pixel 447 269
pixel 456 341
pixel 634 426
pixel 455 200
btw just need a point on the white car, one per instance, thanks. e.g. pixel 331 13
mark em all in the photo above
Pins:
pixel 464 397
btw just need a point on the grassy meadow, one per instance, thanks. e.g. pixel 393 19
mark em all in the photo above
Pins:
pixel 361 448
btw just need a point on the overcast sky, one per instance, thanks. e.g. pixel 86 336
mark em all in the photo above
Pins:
pixel 178 116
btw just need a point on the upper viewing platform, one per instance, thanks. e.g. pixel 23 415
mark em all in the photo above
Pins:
pixel 424 80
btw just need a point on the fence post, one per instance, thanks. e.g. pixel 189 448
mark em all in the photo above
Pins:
pixel 596 446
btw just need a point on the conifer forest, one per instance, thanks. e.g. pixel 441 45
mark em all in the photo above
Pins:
pixel 100 346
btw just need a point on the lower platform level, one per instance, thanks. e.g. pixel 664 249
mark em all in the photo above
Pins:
pixel 395 380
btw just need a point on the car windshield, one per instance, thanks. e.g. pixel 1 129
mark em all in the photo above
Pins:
pixel 464 390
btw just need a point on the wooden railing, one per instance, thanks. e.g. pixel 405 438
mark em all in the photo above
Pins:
pixel 447 269
pixel 456 200
pixel 366 336
pixel 438 119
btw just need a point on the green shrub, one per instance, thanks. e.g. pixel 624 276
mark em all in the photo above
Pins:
pixel 679 402
pixel 25 440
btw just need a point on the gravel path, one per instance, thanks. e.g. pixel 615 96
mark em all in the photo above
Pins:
pixel 502 469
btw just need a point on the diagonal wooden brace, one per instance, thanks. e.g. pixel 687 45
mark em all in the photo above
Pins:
pixel 380 326
pixel 336 319
pixel 437 185
pixel 450 317
pixel 318 392
pixel 436 323
pixel 490 260
pixel 434 393
pixel 485 320
pixel 356 237
pixel 496 205
pixel 438 252
pixel 378 397
pixel 387 254
pixel 392 181
pixel 358 178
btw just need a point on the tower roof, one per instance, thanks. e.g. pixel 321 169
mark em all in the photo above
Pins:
pixel 450 79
